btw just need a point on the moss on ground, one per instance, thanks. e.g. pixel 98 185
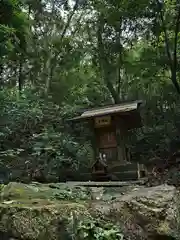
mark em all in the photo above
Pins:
pixel 43 220
pixel 43 191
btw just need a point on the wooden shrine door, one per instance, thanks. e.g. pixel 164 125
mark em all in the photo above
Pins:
pixel 106 139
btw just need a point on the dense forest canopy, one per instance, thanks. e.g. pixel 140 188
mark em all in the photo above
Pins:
pixel 60 56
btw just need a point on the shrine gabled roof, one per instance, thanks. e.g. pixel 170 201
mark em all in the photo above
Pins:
pixel 112 109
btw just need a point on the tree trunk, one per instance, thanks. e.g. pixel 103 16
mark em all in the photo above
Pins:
pixel 1 74
pixel 171 57
pixel 20 75
pixel 49 66
pixel 103 63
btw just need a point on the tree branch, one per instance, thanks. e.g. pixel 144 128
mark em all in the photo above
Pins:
pixel 51 67
pixel 172 59
pixel 69 19
pixel 104 64
pixel 176 38
pixel 174 73
pixel 77 25
pixel 119 65
pixel 165 34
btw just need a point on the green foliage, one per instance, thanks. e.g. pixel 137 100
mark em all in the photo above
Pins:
pixel 33 132
pixel 5 39
pixel 92 229
pixel 13 27
pixel 75 193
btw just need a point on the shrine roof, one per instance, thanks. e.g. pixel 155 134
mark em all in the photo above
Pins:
pixel 112 109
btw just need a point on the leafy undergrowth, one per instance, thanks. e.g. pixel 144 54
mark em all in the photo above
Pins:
pixel 91 230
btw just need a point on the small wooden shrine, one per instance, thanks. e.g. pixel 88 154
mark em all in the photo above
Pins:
pixel 110 126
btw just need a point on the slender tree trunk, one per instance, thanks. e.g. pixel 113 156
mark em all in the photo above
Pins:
pixel 50 68
pixel 171 57
pixel 20 75
pixel 48 77
pixel 175 62
pixel 119 62
pixel 1 74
